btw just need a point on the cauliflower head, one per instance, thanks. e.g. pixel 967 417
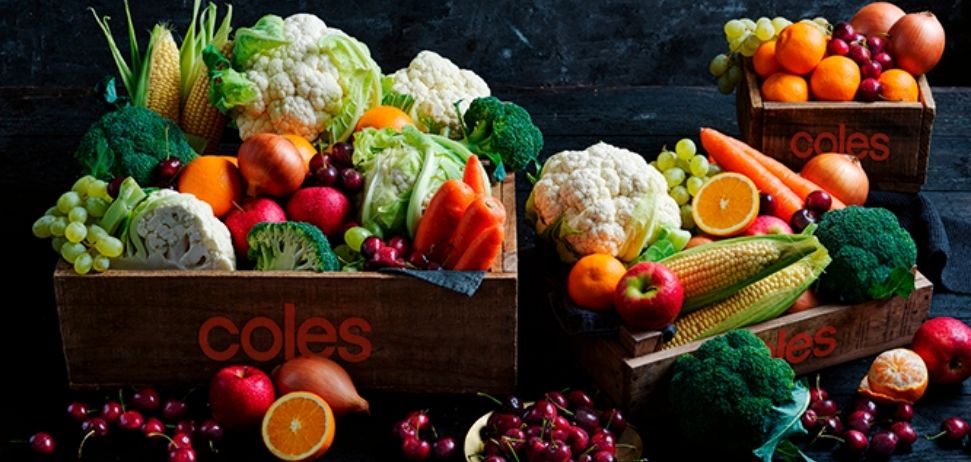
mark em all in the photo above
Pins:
pixel 603 199
pixel 295 76
pixel 437 84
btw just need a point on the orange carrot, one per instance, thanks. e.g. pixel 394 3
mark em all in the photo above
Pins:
pixel 799 185
pixel 729 157
pixel 443 214
pixel 482 251
pixel 475 176
pixel 483 213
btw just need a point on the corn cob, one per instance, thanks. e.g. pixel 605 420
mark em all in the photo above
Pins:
pixel 715 271
pixel 162 85
pixel 757 302
pixel 200 119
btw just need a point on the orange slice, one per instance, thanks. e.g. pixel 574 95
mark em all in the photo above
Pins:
pixel 299 426
pixel 896 376
pixel 726 205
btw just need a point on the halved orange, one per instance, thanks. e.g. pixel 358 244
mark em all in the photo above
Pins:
pixel 298 426
pixel 726 205
pixel 896 376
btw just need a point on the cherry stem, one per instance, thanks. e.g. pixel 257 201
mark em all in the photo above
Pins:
pixel 625 446
pixel 163 435
pixel 212 447
pixel 489 397
pixel 934 437
pixel 17 441
pixel 84 440
pixel 121 399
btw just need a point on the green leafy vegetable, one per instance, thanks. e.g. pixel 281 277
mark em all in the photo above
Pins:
pixel 290 246
pixel 504 133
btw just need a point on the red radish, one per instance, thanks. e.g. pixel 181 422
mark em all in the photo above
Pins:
pixel 324 207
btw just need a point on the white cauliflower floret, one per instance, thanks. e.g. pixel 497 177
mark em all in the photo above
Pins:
pixel 437 84
pixel 595 196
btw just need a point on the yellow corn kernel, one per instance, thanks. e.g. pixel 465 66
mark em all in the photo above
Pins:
pixel 199 118
pixel 162 92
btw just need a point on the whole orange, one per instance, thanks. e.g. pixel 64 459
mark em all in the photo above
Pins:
pixel 384 117
pixel 836 78
pixel 764 60
pixel 215 180
pixel 800 48
pixel 304 147
pixel 593 279
pixel 785 87
pixel 898 85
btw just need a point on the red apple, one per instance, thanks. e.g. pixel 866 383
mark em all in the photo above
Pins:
pixel 945 345
pixel 649 296
pixel 240 396
pixel 321 206
pixel 243 218
pixel 767 224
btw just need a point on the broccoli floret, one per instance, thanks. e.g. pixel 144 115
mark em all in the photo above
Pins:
pixel 290 246
pixel 872 255
pixel 502 131
pixel 726 394
pixel 130 142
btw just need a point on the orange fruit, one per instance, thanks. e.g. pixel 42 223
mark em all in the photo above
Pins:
pixel 700 239
pixel 592 281
pixel 298 426
pixel 836 78
pixel 785 87
pixel 384 117
pixel 898 85
pixel 896 376
pixel 764 60
pixel 726 205
pixel 215 180
pixel 800 48
pixel 304 147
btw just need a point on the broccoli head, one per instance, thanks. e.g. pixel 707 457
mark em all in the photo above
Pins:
pixel 873 256
pixel 290 246
pixel 502 131
pixel 729 395
pixel 131 141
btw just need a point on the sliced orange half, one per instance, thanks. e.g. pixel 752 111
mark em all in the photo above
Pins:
pixel 726 205
pixel 298 427
pixel 896 376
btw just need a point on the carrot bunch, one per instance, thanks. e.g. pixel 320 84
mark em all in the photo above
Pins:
pixel 463 227
pixel 787 187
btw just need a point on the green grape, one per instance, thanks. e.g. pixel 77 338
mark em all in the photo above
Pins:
pixel 734 29
pixel 734 75
pixel 345 254
pixel 101 263
pixel 57 227
pixel 780 23
pixel 748 23
pixel 674 176
pixel 714 169
pixel 685 148
pixel 78 215
pixel 97 188
pixel 96 233
pixel 76 232
pixel 665 160
pixel 96 207
pixel 719 64
pixel 735 44
pixel 694 185
pixel 375 230
pixel 699 166
pixel 110 247
pixel 687 220
pixel 653 163
pixel 83 263
pixel 764 29
pixel 57 243
pixel 725 85
pixel 68 201
pixel 81 185
pixel 680 195
pixel 42 227
pixel 683 165
pixel 70 251
pixel 54 212
pixel 821 22
pixel 355 236
pixel 750 46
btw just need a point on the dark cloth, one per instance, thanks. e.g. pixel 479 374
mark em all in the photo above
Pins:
pixel 463 282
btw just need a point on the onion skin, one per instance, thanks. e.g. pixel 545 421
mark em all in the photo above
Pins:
pixel 917 42
pixel 876 18
pixel 841 175
pixel 322 377
pixel 271 165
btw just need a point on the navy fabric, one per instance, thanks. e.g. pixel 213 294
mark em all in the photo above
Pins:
pixel 463 282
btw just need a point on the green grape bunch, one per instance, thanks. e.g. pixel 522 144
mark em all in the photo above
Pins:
pixel 71 224
pixel 686 171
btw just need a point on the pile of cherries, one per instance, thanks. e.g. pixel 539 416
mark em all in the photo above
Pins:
pixel 411 432
pixel 335 169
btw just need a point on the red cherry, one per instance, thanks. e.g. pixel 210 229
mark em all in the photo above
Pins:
pixel 131 420
pixel 78 411
pixel 152 426
pixel 146 399
pixel 174 409
pixel 415 449
pixel 182 455
pixel 41 443
pixel 111 411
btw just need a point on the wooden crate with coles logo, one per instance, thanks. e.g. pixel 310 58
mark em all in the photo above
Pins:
pixel 633 373
pixel 891 139
pixel 391 332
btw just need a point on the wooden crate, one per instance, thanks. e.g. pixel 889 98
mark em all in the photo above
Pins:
pixel 892 140
pixel 392 332
pixel 632 374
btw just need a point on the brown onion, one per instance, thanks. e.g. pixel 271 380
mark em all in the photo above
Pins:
pixel 876 18
pixel 322 377
pixel 917 42
pixel 271 165
pixel 841 175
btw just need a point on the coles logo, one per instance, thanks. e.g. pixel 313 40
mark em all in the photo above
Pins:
pixel 804 345
pixel 221 338
pixel 876 146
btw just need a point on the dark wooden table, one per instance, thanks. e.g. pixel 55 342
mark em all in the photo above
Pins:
pixel 37 120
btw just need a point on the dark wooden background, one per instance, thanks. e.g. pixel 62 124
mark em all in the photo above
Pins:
pixel 631 73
